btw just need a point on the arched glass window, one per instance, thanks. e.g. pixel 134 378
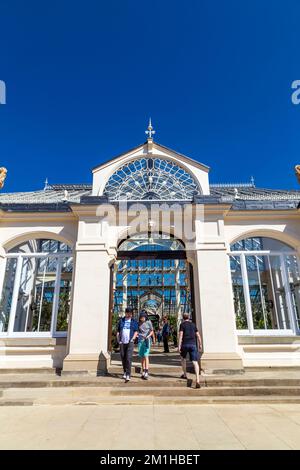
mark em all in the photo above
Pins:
pixel 36 288
pixel 41 245
pixel 151 242
pixel 260 244
pixel 151 179
pixel 266 286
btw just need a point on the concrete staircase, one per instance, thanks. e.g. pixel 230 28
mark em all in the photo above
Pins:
pixel 46 387
pixel 19 388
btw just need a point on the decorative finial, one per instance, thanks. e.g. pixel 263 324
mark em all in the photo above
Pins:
pixel 3 173
pixel 252 181
pixel 150 132
pixel 46 184
pixel 66 195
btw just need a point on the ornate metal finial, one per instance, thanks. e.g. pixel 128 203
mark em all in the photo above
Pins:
pixel 46 184
pixel 66 195
pixel 3 173
pixel 150 132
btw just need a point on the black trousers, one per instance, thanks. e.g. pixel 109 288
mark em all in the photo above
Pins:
pixel 126 351
pixel 166 344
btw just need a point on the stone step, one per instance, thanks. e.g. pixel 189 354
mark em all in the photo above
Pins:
pixel 33 370
pixel 65 395
pixel 208 391
pixel 270 382
pixel 272 368
pixel 166 381
pixel 175 370
pixel 83 393
pixel 87 381
pixel 155 380
pixel 5 402
pixel 151 400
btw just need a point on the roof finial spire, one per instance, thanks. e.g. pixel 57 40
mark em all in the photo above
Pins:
pixel 46 184
pixel 150 132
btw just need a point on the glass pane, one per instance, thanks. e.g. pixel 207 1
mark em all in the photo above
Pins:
pixel 257 295
pixel 267 293
pixel 36 295
pixel 151 179
pixel 64 295
pixel 7 293
pixel 40 245
pixel 238 293
pixel 260 244
pixel 162 287
pixel 277 306
pixel 153 242
pixel 292 267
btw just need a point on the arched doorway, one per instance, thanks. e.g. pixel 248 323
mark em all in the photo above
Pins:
pixel 152 273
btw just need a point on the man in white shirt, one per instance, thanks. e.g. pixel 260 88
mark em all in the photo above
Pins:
pixel 126 335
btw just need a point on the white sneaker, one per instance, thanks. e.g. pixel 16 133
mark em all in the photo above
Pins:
pixel 124 376
pixel 142 374
pixel 127 379
pixel 146 375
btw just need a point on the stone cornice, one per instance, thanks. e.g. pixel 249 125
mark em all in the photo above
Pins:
pixel 18 216
pixel 263 214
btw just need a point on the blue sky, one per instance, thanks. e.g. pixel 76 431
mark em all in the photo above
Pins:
pixel 82 79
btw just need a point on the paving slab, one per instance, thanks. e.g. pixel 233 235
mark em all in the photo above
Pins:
pixel 186 427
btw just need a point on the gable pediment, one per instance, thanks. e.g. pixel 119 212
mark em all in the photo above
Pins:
pixel 150 149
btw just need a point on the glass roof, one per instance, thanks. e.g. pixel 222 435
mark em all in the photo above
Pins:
pixel 151 179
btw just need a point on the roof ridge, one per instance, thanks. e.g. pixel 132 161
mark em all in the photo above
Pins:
pixel 232 185
pixel 62 186
pixel 192 160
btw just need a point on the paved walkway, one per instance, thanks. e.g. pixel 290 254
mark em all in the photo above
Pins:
pixel 151 427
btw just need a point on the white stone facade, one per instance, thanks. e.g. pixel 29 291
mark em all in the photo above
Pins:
pixel 228 217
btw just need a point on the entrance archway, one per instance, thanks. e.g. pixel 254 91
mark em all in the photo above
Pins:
pixel 151 273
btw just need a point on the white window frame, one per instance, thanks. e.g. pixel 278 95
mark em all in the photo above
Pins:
pixel 251 331
pixel 31 334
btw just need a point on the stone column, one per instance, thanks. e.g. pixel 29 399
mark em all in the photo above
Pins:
pixel 217 311
pixel 2 278
pixel 88 330
pixel 178 293
pixel 214 298
pixel 124 285
pixel 88 333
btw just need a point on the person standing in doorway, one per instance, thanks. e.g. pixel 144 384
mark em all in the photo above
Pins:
pixel 174 336
pixel 144 345
pixel 190 343
pixel 126 335
pixel 159 336
pixel 165 334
